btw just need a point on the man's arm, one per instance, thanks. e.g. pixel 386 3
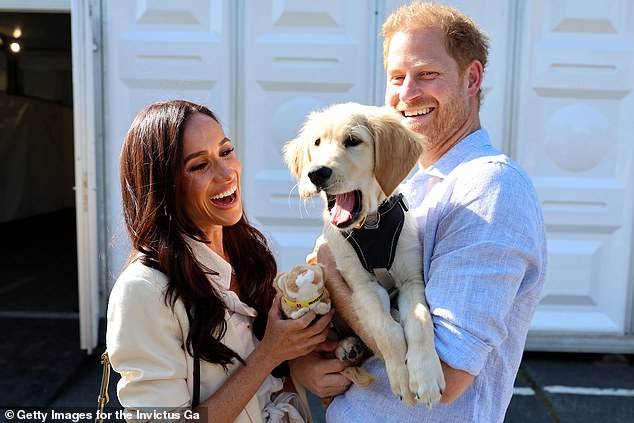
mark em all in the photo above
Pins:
pixel 456 381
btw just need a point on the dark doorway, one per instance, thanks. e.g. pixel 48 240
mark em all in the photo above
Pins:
pixel 38 253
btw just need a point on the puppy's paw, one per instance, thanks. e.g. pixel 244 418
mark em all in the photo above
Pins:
pixel 426 379
pixel 359 376
pixel 351 350
pixel 399 380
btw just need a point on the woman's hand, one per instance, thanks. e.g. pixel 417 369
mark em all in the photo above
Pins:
pixel 288 339
pixel 283 340
pixel 320 374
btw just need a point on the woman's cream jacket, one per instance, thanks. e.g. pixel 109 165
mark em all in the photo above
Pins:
pixel 145 340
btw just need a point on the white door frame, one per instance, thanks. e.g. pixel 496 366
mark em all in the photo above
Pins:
pixel 84 103
pixel 36 5
pixel 84 133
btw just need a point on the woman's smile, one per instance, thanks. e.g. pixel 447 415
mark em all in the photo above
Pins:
pixel 227 198
pixel 211 175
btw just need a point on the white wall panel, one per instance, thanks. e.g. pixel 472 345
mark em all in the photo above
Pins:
pixel 160 50
pixel 557 98
pixel 574 110
pixel 299 56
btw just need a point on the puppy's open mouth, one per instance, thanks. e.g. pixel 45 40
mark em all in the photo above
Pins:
pixel 344 208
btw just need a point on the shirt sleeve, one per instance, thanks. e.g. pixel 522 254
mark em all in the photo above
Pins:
pixel 486 242
pixel 145 343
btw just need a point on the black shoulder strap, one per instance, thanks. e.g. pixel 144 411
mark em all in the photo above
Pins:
pixel 196 393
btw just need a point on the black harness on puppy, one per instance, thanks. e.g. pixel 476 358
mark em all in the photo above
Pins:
pixel 375 242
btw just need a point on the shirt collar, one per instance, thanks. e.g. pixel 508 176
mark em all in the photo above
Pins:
pixel 420 182
pixel 458 154
pixel 208 258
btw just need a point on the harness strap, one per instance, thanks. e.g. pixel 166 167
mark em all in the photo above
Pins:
pixel 375 242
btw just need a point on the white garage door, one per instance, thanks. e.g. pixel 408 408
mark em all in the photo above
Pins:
pixel 558 98
pixel 574 136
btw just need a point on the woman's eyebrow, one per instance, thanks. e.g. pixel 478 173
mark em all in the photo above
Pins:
pixel 201 152
pixel 194 155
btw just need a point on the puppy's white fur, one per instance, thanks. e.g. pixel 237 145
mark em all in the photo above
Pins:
pixel 374 161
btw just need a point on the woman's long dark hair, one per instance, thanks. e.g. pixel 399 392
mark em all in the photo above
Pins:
pixel 151 169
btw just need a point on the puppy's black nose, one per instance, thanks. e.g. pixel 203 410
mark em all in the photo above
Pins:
pixel 319 176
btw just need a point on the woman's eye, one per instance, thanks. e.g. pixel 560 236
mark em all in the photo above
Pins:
pixel 197 167
pixel 227 152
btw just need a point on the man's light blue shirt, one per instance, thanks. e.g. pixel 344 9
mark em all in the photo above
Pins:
pixel 484 262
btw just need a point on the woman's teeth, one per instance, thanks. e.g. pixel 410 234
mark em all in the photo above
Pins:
pixel 227 193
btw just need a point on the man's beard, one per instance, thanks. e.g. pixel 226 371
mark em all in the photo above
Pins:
pixel 447 121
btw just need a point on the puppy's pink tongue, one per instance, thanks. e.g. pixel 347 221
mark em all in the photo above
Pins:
pixel 342 210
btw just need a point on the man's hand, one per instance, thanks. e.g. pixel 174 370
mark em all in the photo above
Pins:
pixel 318 374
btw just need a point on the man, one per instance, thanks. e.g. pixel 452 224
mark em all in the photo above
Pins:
pixel 481 228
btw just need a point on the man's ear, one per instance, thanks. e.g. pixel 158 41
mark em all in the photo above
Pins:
pixel 396 148
pixel 474 75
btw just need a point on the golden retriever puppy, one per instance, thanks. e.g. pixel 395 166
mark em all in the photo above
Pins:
pixel 355 156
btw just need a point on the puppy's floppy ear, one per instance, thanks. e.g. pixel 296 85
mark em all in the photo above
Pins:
pixel 296 151
pixel 396 148
pixel 296 155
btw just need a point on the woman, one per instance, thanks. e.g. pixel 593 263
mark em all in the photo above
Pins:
pixel 198 286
